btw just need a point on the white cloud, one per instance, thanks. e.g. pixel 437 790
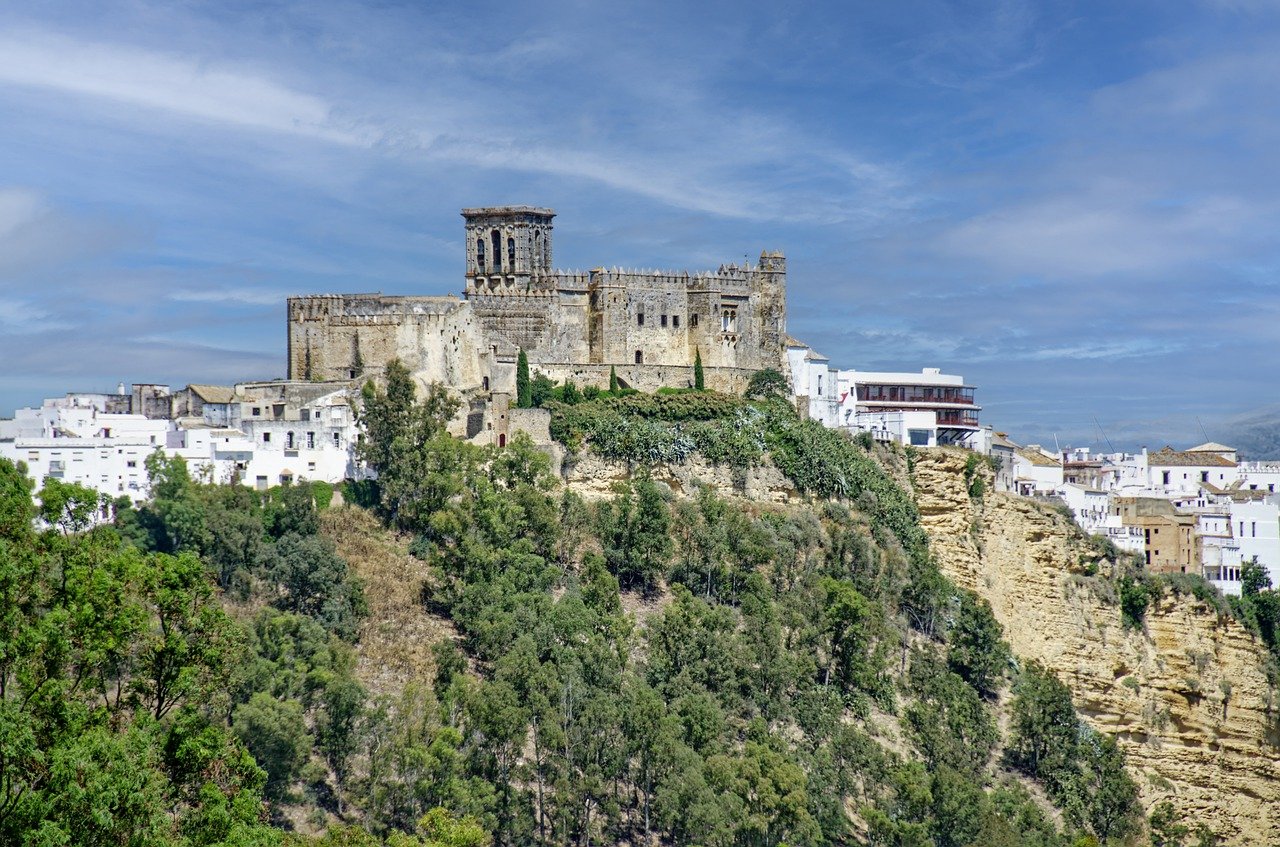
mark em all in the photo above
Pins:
pixel 181 85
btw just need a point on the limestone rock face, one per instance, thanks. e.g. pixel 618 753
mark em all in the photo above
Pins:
pixel 593 477
pixel 1187 698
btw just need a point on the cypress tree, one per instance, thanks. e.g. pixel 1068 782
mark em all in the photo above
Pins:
pixel 699 382
pixel 524 398
pixel 613 379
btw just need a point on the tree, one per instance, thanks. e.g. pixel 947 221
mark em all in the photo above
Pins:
pixel 978 652
pixel 699 382
pixel 524 399
pixel 275 732
pixel 1106 799
pixel 613 379
pixel 636 531
pixel 1044 728
pixel 69 506
pixel 570 394
pixel 767 383
pixel 16 510
pixel 1253 578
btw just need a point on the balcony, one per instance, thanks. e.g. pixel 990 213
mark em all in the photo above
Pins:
pixel 949 394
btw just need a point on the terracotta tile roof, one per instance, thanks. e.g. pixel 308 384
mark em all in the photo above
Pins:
pixel 1168 457
pixel 1211 447
pixel 213 393
pixel 1038 459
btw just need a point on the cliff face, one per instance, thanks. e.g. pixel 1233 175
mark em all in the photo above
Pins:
pixel 593 477
pixel 1187 698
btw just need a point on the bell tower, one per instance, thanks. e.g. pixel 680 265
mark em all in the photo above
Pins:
pixel 508 247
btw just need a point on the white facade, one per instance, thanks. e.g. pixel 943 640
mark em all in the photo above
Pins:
pixel 1091 507
pixel 814 383
pixel 267 442
pixel 866 395
pixel 1256 526
pixel 1036 471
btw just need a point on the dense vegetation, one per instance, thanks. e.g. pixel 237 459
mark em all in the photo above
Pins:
pixel 692 672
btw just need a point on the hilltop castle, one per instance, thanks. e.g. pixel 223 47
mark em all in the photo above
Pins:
pixel 648 325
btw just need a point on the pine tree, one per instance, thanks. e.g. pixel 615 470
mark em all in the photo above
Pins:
pixel 613 379
pixel 699 382
pixel 523 397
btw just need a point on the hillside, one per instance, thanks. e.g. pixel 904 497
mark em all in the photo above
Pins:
pixel 718 624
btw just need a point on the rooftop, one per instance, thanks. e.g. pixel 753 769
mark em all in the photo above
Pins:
pixel 1168 457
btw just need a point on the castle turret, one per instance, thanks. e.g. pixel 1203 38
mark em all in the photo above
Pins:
pixel 508 247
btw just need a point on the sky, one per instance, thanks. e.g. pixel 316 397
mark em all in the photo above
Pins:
pixel 1074 205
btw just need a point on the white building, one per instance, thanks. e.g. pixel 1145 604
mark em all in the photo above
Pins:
pixel 1036 471
pixel 814 383
pixel 262 434
pixel 1182 472
pixel 937 408
pixel 80 444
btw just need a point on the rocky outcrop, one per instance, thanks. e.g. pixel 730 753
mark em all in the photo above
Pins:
pixel 593 477
pixel 1187 697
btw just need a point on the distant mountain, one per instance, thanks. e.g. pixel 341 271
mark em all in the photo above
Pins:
pixel 1256 435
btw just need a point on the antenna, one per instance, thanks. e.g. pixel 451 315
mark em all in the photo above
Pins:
pixel 1104 434
pixel 1202 432
pixel 1056 446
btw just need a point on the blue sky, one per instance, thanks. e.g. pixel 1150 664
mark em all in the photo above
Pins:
pixel 1075 205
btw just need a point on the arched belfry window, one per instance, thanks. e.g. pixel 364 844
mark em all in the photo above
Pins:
pixel 511 254
pixel 537 251
pixel 480 255
pixel 497 250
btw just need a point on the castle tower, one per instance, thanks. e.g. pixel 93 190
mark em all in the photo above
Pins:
pixel 508 247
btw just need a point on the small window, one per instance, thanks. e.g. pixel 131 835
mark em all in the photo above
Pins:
pixel 664 320
pixel 675 321
pixel 266 438
pixel 693 319
pixel 131 464
pixel 337 439
pixel 1204 476
pixel 257 412
pixel 639 358
pixel 288 441
pixel 311 440
pixel 639 318
pixel 306 414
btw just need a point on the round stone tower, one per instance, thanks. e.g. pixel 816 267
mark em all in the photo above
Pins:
pixel 508 247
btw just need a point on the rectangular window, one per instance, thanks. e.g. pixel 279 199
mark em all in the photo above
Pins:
pixel 1253 527
pixel 306 414
pixel 1204 476
pixel 693 319
pixel 261 483
pixel 257 412
pixel 337 439
pixel 266 438
pixel 675 321
pixel 311 440
pixel 288 441
pixel 918 437
pixel 640 319
pixel 131 464
pixel 664 320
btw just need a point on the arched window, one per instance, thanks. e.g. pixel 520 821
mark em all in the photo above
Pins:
pixel 480 255
pixel 639 358
pixel 497 250
pixel 511 254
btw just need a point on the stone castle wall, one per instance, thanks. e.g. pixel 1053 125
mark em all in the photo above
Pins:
pixel 571 325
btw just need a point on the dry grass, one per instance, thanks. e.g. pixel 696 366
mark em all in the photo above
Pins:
pixel 396 639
